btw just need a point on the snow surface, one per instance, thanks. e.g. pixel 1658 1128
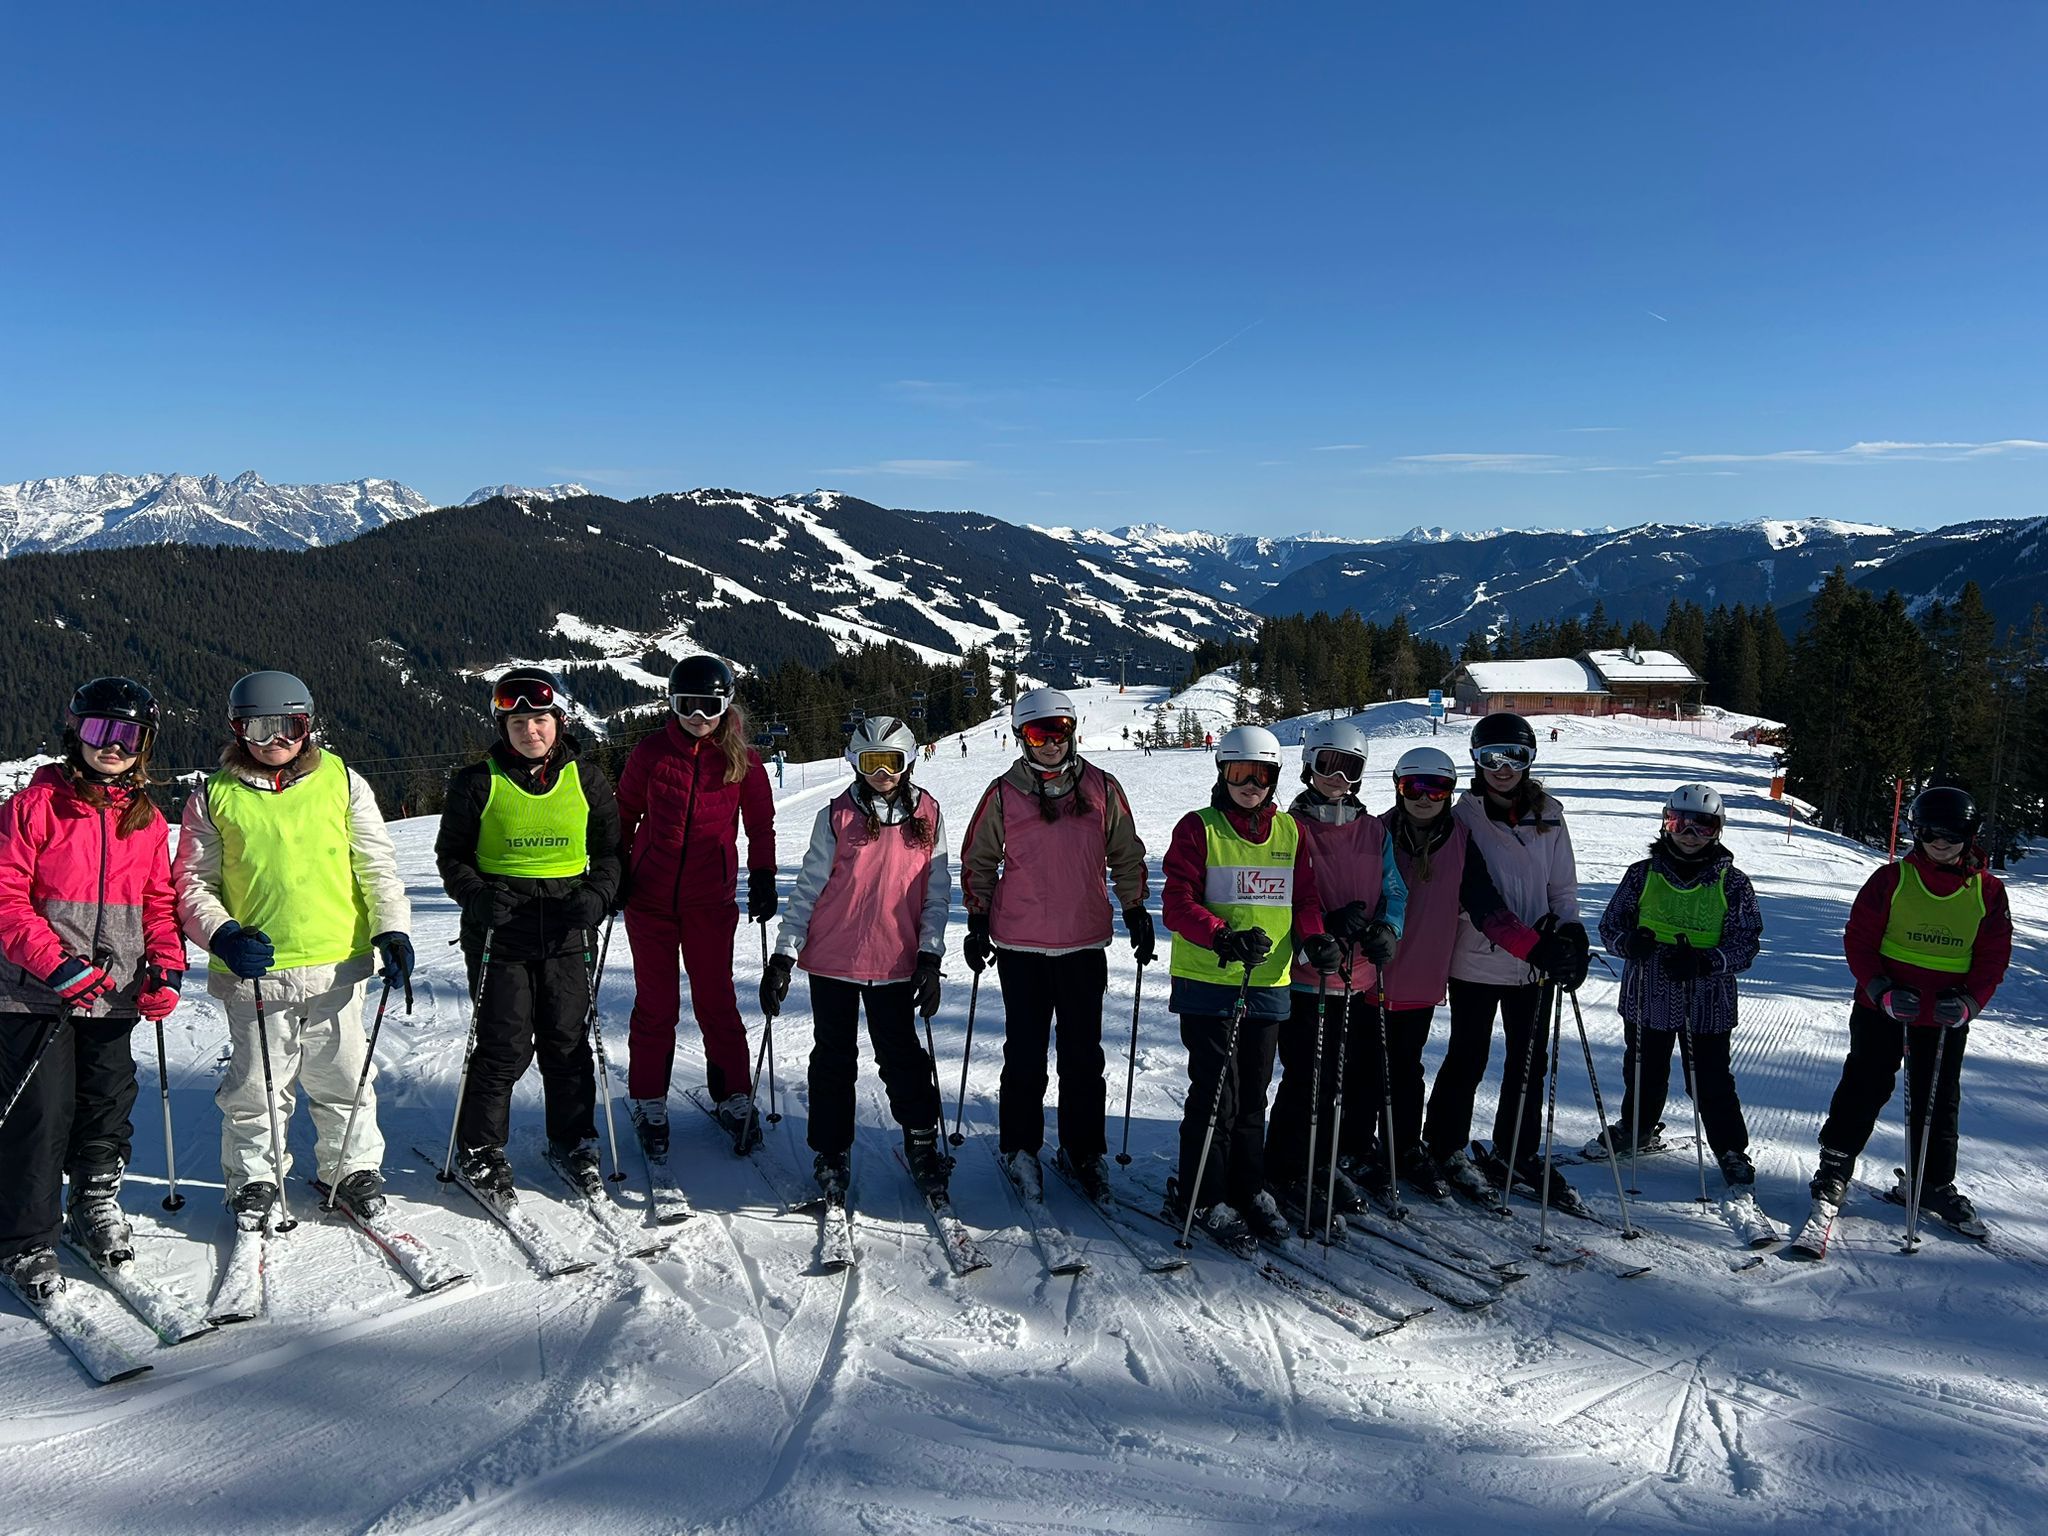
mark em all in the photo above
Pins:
pixel 727 1388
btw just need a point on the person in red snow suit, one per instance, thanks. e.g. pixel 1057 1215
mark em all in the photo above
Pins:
pixel 867 923
pixel 1928 941
pixel 683 794
pixel 89 926
pixel 1241 899
pixel 1053 824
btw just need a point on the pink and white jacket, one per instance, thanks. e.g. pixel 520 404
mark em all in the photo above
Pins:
pixel 865 907
pixel 1533 867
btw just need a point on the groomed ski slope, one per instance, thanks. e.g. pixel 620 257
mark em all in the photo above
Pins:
pixel 724 1387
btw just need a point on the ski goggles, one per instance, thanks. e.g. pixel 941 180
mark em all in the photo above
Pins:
pixel 265 730
pixel 1332 764
pixel 1491 758
pixel 1425 786
pixel 1267 774
pixel 1045 733
pixel 528 693
pixel 706 706
pixel 882 760
pixel 107 733
pixel 1934 834
pixel 1676 822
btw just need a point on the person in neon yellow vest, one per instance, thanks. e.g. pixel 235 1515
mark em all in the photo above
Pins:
pixel 1240 898
pixel 286 874
pixel 1685 923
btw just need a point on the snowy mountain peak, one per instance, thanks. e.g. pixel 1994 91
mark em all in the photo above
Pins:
pixel 525 493
pixel 120 511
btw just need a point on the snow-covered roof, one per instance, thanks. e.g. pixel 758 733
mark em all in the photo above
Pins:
pixel 1633 666
pixel 1550 675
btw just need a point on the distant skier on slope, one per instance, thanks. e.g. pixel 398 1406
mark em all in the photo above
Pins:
pixel 529 850
pixel 1685 923
pixel 287 874
pixel 1928 941
pixel 1052 824
pixel 683 795
pixel 867 923
pixel 89 928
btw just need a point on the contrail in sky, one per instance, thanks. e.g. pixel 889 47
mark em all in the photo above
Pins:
pixel 1655 316
pixel 1195 364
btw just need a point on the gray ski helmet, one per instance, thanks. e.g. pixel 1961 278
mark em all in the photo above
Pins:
pixel 269 693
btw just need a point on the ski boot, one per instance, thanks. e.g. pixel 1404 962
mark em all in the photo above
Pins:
pixel 253 1204
pixel 34 1273
pixel 94 1215
pixel 1423 1175
pixel 1265 1220
pixel 1025 1172
pixel 1351 1198
pixel 580 1161
pixel 1090 1175
pixel 929 1167
pixel 1220 1221
pixel 650 1124
pixel 1952 1208
pixel 834 1175
pixel 1830 1184
pixel 486 1171
pixel 363 1193
pixel 1562 1197
pixel 1595 1151
pixel 1737 1169
pixel 741 1120
pixel 1494 1170
pixel 1461 1173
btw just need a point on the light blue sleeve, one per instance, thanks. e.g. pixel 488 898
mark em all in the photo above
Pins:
pixel 1393 888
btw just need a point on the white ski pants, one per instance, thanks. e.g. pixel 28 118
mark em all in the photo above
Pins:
pixel 317 1044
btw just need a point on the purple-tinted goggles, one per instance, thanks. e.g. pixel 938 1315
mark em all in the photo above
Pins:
pixel 103 731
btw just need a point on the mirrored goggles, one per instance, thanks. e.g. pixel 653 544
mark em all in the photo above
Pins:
pixel 1332 764
pixel 1931 834
pixel 264 730
pixel 528 694
pixel 129 736
pixel 1045 733
pixel 881 760
pixel 1676 822
pixel 1425 786
pixel 705 706
pixel 1267 774
pixel 1491 758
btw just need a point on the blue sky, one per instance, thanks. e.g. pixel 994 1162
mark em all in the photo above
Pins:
pixel 1243 267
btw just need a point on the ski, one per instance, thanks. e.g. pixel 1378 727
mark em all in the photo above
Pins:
pixel 1316 1265
pixel 1898 1194
pixel 238 1295
pixel 1595 1151
pixel 1384 1245
pixel 835 1237
pixel 83 1321
pixel 1335 1308
pixel 536 1242
pixel 1426 1236
pixel 1810 1244
pixel 172 1315
pixel 1056 1249
pixel 1159 1260
pixel 612 1219
pixel 665 1196
pixel 1749 1222
pixel 427 1270
pixel 787 1199
pixel 962 1252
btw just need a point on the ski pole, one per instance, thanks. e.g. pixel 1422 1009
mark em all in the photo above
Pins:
pixel 1123 1158
pixel 348 1132
pixel 966 1054
pixel 1192 1194
pixel 604 1069
pixel 1394 1206
pixel 753 1099
pixel 284 1210
pixel 1628 1227
pixel 1926 1127
pixel 1555 1022
pixel 774 1114
pixel 1699 1146
pixel 1635 1129
pixel 931 1053
pixel 1315 1100
pixel 1337 1105
pixel 33 1062
pixel 1507 1189
pixel 476 1014
pixel 173 1201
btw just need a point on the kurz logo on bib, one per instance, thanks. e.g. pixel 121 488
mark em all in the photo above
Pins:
pixel 1262 885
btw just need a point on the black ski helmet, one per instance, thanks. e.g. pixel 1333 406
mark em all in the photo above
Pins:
pixel 1945 808
pixel 527 690
pixel 113 698
pixel 702 677
pixel 1505 729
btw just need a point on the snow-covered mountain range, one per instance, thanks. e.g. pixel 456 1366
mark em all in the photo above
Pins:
pixel 119 511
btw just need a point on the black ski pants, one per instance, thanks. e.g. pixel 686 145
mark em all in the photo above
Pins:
pixel 72 1117
pixel 1473 1006
pixel 531 1007
pixel 1358 1057
pixel 1712 1083
pixel 1234 1087
pixel 1876 1042
pixel 900 1056
pixel 1037 989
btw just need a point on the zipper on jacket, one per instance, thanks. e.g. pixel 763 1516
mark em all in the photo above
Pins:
pixel 99 919
pixel 689 817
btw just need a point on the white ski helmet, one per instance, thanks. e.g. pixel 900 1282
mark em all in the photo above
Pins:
pixel 1345 735
pixel 1695 800
pixel 1248 744
pixel 1431 761
pixel 882 733
pixel 1041 704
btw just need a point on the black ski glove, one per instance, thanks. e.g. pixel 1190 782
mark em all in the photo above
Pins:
pixel 1349 922
pixel 1681 962
pixel 1552 956
pixel 775 984
pixel 1242 946
pixel 1322 952
pixel 491 907
pixel 1640 945
pixel 1581 952
pixel 924 984
pixel 978 947
pixel 761 900
pixel 1138 924
pixel 1953 1008
pixel 247 952
pixel 584 906
pixel 1377 943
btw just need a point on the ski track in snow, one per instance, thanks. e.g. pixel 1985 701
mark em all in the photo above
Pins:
pixel 726 1386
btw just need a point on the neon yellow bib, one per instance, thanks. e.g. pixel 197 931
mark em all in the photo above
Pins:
pixel 1697 915
pixel 1937 933
pixel 535 837
pixel 1250 885
pixel 285 865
